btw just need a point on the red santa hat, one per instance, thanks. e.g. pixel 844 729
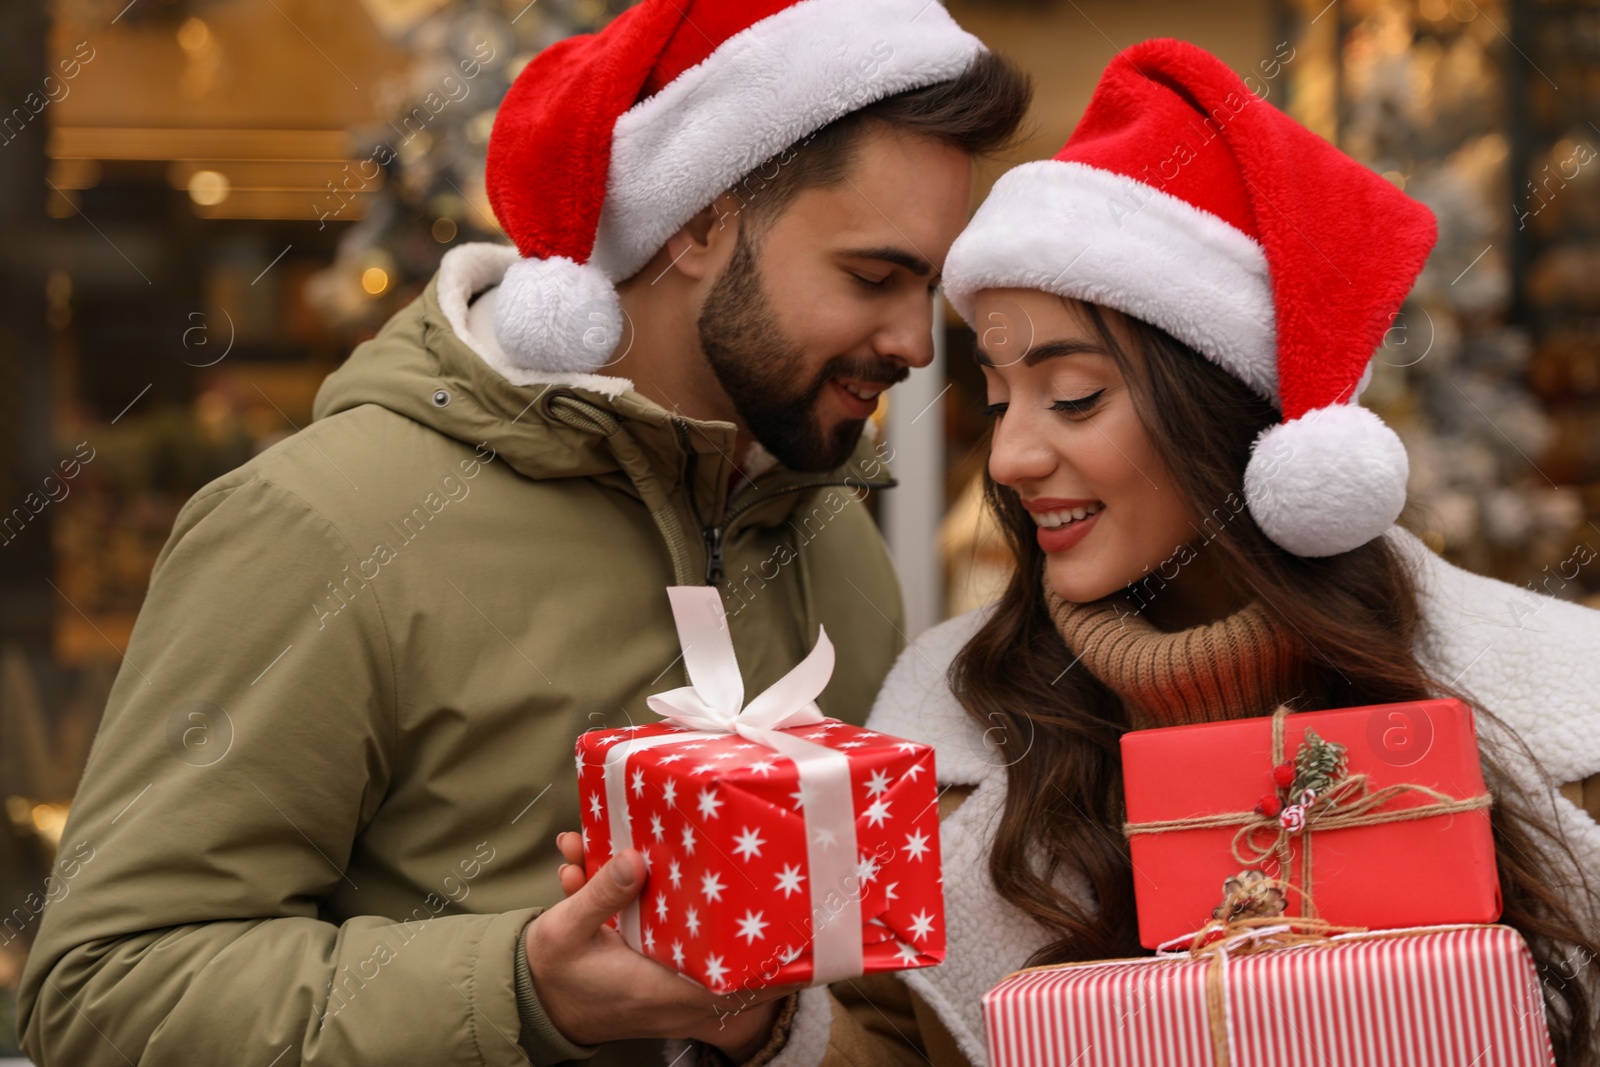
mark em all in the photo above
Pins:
pixel 1183 200
pixel 608 143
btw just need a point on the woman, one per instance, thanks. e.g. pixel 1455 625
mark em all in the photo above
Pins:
pixel 1174 316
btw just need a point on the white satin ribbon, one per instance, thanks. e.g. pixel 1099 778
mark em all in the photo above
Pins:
pixel 710 707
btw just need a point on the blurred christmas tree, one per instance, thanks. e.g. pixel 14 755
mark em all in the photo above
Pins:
pixel 424 167
pixel 1429 93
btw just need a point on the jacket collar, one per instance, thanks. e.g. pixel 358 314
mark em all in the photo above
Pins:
pixel 668 439
pixel 429 365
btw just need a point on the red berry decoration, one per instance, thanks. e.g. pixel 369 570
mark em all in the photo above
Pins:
pixel 1269 805
pixel 1283 774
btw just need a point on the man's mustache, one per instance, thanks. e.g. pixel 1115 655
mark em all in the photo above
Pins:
pixel 883 373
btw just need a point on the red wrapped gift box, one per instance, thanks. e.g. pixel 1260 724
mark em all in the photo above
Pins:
pixel 1444 997
pixel 730 897
pixel 778 854
pixel 1414 872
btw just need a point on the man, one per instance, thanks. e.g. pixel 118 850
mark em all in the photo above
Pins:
pixel 318 823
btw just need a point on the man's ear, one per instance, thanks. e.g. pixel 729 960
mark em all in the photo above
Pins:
pixel 704 244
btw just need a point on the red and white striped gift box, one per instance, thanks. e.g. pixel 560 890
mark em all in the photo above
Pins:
pixel 1428 997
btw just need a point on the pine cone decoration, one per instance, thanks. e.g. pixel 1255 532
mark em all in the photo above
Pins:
pixel 1245 897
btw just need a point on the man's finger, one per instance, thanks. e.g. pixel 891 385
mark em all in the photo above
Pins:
pixel 613 886
pixel 762 996
pixel 742 999
pixel 571 847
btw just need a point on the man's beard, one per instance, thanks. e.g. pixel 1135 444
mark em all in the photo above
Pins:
pixel 756 362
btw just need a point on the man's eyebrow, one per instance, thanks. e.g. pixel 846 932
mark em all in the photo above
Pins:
pixel 899 257
pixel 1041 352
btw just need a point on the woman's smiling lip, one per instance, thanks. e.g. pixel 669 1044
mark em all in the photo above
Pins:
pixel 1061 538
pixel 1056 503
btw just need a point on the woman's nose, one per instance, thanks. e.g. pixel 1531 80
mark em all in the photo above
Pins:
pixel 1018 452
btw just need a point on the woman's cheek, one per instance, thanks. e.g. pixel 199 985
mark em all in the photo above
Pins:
pixel 1145 518
pixel 1140 464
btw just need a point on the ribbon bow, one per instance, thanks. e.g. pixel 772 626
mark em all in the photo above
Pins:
pixel 712 701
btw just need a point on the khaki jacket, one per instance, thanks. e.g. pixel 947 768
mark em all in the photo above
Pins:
pixel 322 802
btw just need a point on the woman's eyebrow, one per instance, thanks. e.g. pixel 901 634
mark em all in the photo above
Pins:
pixel 1041 352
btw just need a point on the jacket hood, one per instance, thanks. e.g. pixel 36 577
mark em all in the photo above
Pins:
pixel 428 364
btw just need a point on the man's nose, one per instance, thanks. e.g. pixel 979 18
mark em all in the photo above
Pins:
pixel 907 337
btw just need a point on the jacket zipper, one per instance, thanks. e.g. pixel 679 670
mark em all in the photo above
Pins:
pixel 712 533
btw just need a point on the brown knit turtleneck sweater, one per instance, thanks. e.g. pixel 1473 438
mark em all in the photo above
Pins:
pixel 1243 665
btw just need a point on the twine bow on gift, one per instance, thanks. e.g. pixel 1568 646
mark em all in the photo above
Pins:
pixel 1235 927
pixel 1220 939
pixel 1324 796
pixel 1216 943
pixel 712 706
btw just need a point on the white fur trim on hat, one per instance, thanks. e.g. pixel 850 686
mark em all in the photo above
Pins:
pixel 557 315
pixel 1327 482
pixel 1081 232
pixel 761 91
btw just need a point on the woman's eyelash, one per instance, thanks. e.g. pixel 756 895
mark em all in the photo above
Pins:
pixel 1080 405
pixel 1077 407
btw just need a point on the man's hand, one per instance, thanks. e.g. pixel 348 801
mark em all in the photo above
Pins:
pixel 594 988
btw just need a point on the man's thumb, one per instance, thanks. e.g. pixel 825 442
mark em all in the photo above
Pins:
pixel 613 886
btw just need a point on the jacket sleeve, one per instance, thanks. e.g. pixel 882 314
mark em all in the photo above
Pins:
pixel 249 736
pixel 540 1038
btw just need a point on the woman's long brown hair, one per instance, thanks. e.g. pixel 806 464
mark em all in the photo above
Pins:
pixel 1356 615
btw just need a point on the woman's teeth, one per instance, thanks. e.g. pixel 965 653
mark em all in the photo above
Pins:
pixel 1052 519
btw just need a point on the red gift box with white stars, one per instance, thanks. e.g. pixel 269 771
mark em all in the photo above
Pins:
pixel 729 896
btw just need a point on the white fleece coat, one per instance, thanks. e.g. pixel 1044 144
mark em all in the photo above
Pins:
pixel 1533 660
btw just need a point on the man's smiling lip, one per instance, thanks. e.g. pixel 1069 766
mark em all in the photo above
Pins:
pixel 855 406
pixel 864 385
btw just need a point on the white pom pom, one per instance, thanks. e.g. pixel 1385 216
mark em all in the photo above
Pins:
pixel 557 315
pixel 1327 482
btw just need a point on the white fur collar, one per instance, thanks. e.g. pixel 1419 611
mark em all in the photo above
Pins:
pixel 468 286
pixel 467 270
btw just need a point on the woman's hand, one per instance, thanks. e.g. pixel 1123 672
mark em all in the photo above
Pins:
pixel 594 988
